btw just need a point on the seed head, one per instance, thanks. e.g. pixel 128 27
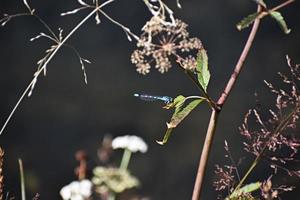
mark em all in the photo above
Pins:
pixel 161 40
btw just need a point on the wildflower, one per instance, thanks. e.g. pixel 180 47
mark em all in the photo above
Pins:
pixel 113 179
pixel 131 142
pixel 160 41
pixel 77 190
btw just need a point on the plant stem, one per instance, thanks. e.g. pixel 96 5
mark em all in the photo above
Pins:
pixel 125 159
pixel 215 113
pixel 205 153
pixel 282 5
pixel 253 165
pixel 240 63
pixel 22 179
pixel 266 12
pixel 123 166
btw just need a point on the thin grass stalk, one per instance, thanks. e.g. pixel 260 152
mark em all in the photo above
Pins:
pixel 49 59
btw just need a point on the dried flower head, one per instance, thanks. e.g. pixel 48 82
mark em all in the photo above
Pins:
pixel 160 41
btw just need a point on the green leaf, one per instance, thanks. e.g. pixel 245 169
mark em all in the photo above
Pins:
pixel 247 21
pixel 166 137
pixel 244 190
pixel 278 17
pixel 179 114
pixel 202 69
pixel 177 102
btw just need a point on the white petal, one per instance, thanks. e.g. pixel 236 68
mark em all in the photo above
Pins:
pixel 75 186
pixel 65 192
pixel 132 143
pixel 85 188
pixel 77 197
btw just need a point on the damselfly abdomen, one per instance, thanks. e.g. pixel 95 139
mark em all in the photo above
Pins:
pixel 146 97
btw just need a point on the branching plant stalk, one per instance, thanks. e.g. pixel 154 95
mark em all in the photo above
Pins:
pixel 264 12
pixel 283 124
pixel 43 67
pixel 220 103
pixel 215 114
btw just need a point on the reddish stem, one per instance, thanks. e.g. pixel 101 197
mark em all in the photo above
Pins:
pixel 244 54
pixel 239 64
pixel 205 153
pixel 214 116
pixel 82 168
pixel 215 113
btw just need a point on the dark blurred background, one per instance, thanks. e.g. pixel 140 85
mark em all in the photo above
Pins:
pixel 65 115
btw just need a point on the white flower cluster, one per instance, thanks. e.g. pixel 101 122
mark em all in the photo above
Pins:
pixel 131 142
pixel 77 190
